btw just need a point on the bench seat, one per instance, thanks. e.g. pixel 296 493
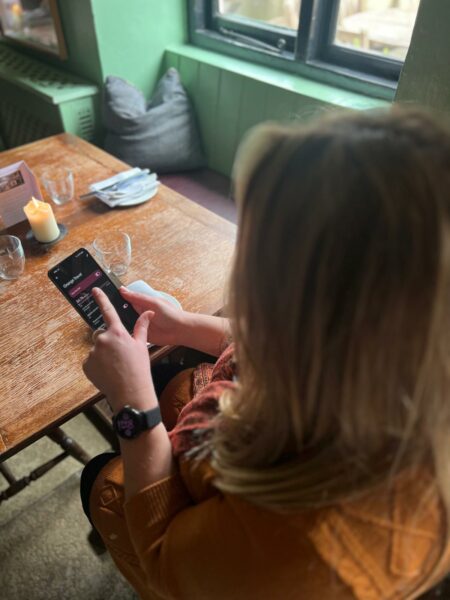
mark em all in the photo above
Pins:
pixel 207 188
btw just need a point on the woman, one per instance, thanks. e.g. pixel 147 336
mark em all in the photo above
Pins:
pixel 323 470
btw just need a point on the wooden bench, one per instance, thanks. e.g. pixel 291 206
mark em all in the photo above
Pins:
pixel 208 188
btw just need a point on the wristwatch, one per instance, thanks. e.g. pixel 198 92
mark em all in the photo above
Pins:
pixel 129 422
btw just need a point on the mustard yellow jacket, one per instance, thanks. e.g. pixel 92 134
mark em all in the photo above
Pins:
pixel 182 539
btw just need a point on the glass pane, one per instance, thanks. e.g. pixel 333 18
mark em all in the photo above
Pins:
pixel 380 26
pixel 281 13
pixel 29 21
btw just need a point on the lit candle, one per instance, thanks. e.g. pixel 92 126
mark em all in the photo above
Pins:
pixel 42 220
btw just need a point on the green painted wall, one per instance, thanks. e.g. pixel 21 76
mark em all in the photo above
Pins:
pixel 133 34
pixel 126 38
pixel 230 96
pixel 425 79
pixel 78 23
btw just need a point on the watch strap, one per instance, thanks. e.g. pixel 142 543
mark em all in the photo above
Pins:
pixel 151 418
pixel 129 422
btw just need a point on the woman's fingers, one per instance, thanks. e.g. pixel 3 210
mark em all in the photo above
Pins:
pixel 97 332
pixel 138 300
pixel 130 294
pixel 108 311
pixel 143 301
pixel 140 331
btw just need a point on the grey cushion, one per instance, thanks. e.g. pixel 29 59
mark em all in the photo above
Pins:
pixel 161 135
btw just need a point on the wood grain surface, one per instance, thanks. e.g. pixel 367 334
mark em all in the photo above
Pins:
pixel 177 246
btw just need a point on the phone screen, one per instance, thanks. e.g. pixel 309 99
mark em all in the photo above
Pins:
pixel 75 277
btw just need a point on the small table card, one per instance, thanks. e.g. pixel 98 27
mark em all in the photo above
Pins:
pixel 17 185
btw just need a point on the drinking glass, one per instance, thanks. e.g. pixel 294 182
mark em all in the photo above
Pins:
pixel 113 249
pixel 59 184
pixel 12 257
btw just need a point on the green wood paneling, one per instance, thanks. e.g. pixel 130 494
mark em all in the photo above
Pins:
pixel 227 105
pixel 280 104
pixel 304 111
pixel 227 116
pixel 205 100
pixel 172 60
pixel 253 106
pixel 188 69
pixel 288 81
pixel 229 101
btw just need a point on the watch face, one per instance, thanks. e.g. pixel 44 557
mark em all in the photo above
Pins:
pixel 127 423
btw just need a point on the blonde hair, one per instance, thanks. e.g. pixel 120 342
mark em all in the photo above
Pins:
pixel 340 305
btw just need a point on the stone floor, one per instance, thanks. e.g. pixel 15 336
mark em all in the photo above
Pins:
pixel 44 553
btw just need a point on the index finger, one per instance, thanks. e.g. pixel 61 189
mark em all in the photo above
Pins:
pixel 108 311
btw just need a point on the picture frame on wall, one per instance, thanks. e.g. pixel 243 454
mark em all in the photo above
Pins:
pixel 33 23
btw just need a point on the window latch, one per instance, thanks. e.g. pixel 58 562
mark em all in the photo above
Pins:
pixel 249 41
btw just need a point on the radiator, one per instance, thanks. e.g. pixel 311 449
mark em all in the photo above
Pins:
pixel 38 100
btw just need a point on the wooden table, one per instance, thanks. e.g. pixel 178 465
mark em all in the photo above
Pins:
pixel 177 246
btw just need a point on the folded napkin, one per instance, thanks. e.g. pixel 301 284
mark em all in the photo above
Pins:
pixel 127 188
pixel 142 287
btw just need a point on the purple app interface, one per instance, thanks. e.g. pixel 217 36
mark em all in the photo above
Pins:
pixel 77 275
pixel 79 289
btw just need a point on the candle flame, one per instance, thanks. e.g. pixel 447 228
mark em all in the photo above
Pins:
pixel 35 202
pixel 16 9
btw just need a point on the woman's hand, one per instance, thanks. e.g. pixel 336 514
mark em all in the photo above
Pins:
pixel 118 364
pixel 170 326
pixel 167 323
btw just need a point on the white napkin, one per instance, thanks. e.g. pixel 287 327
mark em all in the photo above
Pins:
pixel 129 187
pixel 142 287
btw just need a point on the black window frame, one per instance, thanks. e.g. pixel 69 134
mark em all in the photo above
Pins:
pixel 310 50
pixel 266 35
pixel 356 60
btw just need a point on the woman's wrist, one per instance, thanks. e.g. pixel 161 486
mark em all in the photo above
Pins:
pixel 187 329
pixel 205 333
pixel 144 399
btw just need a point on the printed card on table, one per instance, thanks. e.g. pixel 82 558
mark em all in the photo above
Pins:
pixel 17 185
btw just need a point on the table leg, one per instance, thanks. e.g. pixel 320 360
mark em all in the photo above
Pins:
pixel 68 444
pixel 16 485
pixel 7 473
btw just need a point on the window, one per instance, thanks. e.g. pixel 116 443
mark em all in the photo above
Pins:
pixel 272 22
pixel 360 39
pixel 384 28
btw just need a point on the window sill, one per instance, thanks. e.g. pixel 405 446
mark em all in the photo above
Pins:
pixel 297 84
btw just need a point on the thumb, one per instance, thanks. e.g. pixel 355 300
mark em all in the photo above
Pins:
pixel 140 331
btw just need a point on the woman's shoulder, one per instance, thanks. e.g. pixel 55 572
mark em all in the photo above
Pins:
pixel 389 541
pixel 385 544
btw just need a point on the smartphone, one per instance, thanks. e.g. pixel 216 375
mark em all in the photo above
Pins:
pixel 75 277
